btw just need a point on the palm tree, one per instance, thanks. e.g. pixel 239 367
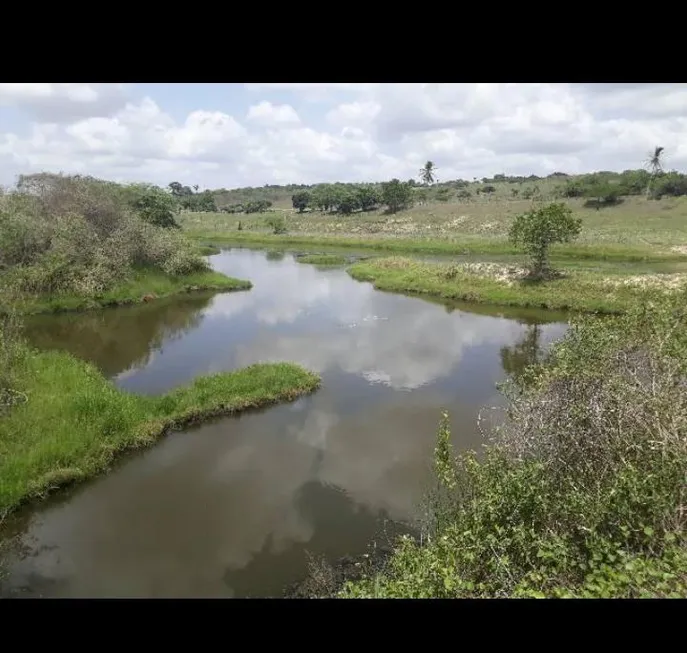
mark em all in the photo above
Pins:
pixel 655 165
pixel 196 187
pixel 427 173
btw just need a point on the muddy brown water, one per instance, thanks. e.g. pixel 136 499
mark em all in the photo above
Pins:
pixel 231 508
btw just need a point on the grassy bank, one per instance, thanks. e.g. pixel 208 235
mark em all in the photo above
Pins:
pixel 152 284
pixel 75 420
pixel 490 283
pixel 208 250
pixel 581 491
pixel 456 246
pixel 322 259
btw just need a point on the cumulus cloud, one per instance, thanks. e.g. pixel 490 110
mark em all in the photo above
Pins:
pixel 58 103
pixel 272 115
pixel 306 133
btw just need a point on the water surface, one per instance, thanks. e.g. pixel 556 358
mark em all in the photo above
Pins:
pixel 230 508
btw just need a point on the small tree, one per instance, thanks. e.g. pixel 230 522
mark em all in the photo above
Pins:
pixel 346 201
pixel 396 195
pixel 277 224
pixel 154 205
pixel 538 229
pixel 300 200
pixel 367 196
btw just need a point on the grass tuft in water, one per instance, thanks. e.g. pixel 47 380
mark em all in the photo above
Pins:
pixel 322 259
pixel 74 420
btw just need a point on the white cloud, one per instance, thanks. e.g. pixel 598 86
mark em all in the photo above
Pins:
pixel 64 102
pixel 305 133
pixel 271 115
pixel 353 114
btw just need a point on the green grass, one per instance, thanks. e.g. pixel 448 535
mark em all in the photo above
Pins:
pixel 142 283
pixel 609 252
pixel 322 259
pixel 208 250
pixel 637 228
pixel 579 290
pixel 75 420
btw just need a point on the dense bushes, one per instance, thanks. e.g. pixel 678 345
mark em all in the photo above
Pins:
pixel 80 235
pixel 582 491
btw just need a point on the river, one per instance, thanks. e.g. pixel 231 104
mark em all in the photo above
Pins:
pixel 230 508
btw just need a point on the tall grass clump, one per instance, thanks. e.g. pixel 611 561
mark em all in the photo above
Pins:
pixel 11 352
pixel 582 491
pixel 79 235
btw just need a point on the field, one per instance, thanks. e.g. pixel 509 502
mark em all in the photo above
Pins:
pixel 653 228
pixel 623 254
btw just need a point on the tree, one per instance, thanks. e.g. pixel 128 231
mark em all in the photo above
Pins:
pixel 396 195
pixel 153 205
pixel 175 187
pixel 300 200
pixel 603 194
pixel 536 230
pixel 205 201
pixel 514 192
pixel 367 196
pixel 489 189
pixel 196 187
pixel 673 184
pixel 323 197
pixel 427 173
pixel 655 165
pixel 259 206
pixel 346 201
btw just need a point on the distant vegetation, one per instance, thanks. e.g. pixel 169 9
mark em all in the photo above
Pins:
pixel 599 189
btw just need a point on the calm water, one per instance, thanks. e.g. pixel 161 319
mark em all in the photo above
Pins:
pixel 232 507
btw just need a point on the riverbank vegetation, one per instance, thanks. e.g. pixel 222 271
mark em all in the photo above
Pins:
pixel 322 259
pixel 581 491
pixel 62 421
pixel 77 242
pixel 575 289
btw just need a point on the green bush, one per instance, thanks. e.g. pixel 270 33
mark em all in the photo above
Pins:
pixel 77 235
pixel 582 490
pixel 538 229
pixel 277 224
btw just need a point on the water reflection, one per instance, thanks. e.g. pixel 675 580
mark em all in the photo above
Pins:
pixel 229 509
pixel 516 358
pixel 117 339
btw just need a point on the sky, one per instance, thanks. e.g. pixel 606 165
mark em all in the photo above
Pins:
pixel 235 135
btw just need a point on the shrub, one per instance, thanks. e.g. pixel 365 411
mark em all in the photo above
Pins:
pixel 277 224
pixel 79 235
pixel 581 492
pixel 155 206
pixel 538 229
